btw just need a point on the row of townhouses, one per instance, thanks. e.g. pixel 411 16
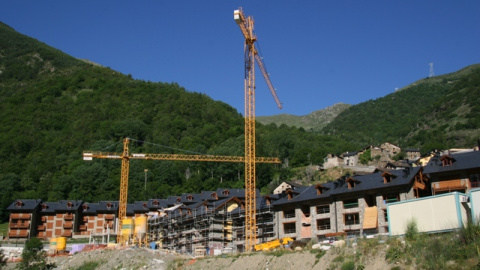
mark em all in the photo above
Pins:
pixel 214 220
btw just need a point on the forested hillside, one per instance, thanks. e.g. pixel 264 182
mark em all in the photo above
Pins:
pixel 53 107
pixel 434 113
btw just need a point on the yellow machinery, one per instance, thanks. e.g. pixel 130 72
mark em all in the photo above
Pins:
pixel 274 244
pixel 126 156
pixel 251 56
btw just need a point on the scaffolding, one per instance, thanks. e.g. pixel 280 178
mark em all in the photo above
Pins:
pixel 217 230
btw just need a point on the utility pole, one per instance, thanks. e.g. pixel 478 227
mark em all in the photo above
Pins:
pixel 146 171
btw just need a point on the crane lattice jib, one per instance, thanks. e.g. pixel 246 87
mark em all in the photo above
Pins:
pixel 246 25
pixel 88 155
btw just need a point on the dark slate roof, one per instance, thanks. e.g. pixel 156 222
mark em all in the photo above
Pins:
pixel 49 207
pixel 140 207
pixel 67 205
pixel 306 194
pixel 349 154
pixel 108 207
pixel 207 195
pixel 20 206
pixel 462 161
pixel 233 192
pixel 157 203
pixel 364 183
pixel 190 198
pixel 374 181
pixel 130 209
pixel 90 208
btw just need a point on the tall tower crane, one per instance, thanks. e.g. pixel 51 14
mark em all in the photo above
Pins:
pixel 126 156
pixel 251 56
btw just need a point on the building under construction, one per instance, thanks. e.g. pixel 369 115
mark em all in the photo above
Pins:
pixel 212 221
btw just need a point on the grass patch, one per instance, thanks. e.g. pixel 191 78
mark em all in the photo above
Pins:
pixel 437 251
pixel 4 229
pixel 91 265
pixel 278 252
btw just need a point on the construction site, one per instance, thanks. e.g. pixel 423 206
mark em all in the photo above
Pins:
pixel 230 220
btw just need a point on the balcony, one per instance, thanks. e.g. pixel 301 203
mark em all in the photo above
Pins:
pixel 41 228
pixel 20 216
pixel 19 225
pixel 450 185
pixel 67 225
pixel 68 216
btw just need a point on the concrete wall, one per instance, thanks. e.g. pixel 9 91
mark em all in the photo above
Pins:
pixel 443 212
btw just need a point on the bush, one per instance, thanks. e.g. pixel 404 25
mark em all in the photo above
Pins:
pixel 411 231
pixel 33 256
pixel 3 259
pixel 348 265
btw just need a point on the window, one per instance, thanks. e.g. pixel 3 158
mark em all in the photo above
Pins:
pixel 351 182
pixel 289 193
pixel 387 177
pixel 323 209
pixel 289 227
pixel 474 180
pixel 352 219
pixel 320 189
pixel 391 198
pixel 323 224
pixel 305 210
pixel 447 160
pixel 385 216
pixel 289 213
pixel 350 203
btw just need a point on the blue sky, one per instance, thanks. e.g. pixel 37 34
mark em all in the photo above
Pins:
pixel 318 53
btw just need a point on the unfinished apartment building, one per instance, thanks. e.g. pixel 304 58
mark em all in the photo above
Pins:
pixel 211 220
pixel 353 205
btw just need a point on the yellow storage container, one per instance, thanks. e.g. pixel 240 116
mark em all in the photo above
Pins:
pixel 140 225
pixel 61 243
pixel 127 227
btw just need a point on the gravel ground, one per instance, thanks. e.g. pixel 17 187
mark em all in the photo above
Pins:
pixel 107 259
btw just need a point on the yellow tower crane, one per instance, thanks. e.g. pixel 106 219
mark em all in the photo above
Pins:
pixel 126 156
pixel 251 56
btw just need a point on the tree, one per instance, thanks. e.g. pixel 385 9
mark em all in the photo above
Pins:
pixel 33 256
pixel 366 157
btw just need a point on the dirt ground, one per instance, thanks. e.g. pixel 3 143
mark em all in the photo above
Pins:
pixel 300 260
pixel 140 258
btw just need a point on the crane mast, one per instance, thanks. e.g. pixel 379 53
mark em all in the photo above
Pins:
pixel 126 156
pixel 246 25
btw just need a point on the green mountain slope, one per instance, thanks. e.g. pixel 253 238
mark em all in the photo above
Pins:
pixel 54 106
pixel 314 121
pixel 438 112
